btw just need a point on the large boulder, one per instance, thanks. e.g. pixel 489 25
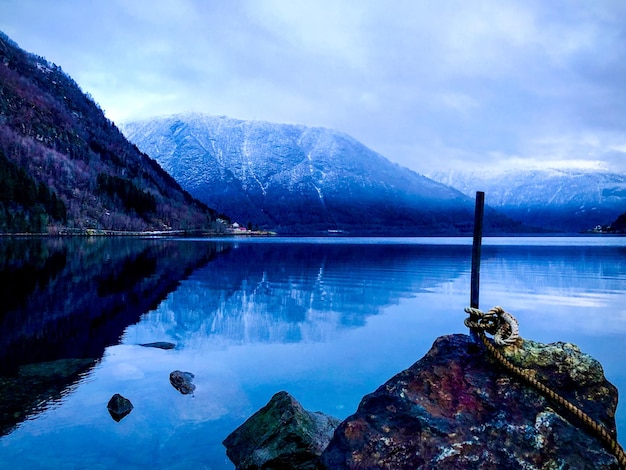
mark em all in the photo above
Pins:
pixel 281 435
pixel 455 408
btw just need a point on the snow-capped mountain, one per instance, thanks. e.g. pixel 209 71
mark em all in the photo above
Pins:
pixel 299 179
pixel 564 199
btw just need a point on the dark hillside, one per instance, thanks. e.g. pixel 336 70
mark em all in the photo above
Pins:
pixel 63 164
pixel 618 225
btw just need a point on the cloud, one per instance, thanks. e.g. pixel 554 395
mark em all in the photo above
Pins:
pixel 424 83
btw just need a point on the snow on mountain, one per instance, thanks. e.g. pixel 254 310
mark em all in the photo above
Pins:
pixel 298 179
pixel 562 198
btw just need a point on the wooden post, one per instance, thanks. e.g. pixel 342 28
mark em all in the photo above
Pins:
pixel 476 249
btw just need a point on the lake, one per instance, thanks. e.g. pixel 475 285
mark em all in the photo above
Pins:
pixel 328 320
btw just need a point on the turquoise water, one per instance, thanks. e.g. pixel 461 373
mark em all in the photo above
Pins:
pixel 328 320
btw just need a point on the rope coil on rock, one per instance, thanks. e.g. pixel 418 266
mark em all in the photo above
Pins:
pixel 504 328
pixel 502 325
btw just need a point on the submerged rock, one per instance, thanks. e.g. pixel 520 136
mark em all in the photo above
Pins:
pixel 457 409
pixel 181 381
pixel 58 369
pixel 280 435
pixel 159 345
pixel 35 387
pixel 119 407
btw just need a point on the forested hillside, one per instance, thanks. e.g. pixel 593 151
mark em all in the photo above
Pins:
pixel 618 225
pixel 64 165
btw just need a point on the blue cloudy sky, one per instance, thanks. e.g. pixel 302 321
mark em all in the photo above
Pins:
pixel 427 83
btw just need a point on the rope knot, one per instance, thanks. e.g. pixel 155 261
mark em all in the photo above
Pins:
pixel 504 328
pixel 502 325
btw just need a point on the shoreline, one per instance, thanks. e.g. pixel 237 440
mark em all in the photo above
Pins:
pixel 144 233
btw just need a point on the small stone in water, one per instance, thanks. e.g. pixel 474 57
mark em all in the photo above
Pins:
pixel 159 345
pixel 119 407
pixel 181 381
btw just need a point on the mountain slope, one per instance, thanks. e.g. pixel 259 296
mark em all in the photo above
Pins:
pixel 562 199
pixel 65 165
pixel 297 179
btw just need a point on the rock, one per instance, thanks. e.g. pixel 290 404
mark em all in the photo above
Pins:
pixel 280 435
pixel 159 345
pixel 58 369
pixel 119 407
pixel 181 381
pixel 455 408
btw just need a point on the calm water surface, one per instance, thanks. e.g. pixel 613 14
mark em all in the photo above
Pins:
pixel 328 320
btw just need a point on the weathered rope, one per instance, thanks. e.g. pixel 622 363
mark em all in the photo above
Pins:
pixel 504 327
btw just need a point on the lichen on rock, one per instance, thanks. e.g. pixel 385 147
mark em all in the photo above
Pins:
pixel 454 408
pixel 458 409
pixel 280 435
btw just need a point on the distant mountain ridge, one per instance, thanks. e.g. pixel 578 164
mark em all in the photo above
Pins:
pixel 561 199
pixel 298 179
pixel 64 165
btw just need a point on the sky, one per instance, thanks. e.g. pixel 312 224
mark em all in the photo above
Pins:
pixel 432 85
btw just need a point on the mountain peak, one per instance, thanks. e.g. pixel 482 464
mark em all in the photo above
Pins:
pixel 570 197
pixel 298 179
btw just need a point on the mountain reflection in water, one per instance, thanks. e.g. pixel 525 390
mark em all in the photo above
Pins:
pixel 66 299
pixel 300 292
